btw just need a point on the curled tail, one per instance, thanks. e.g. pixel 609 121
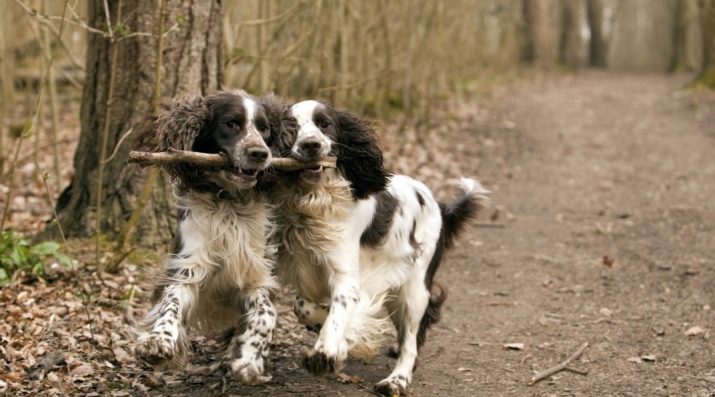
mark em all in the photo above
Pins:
pixel 472 199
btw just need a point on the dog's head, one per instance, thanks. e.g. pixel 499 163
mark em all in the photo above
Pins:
pixel 323 130
pixel 233 123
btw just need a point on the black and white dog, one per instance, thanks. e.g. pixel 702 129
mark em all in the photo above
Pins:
pixel 357 239
pixel 219 274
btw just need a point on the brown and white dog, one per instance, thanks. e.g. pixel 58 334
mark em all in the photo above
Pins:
pixel 219 274
pixel 356 239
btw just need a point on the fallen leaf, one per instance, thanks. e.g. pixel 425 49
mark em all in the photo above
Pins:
pixel 122 356
pixel 608 261
pixel 82 370
pixel 514 346
pixel 346 379
pixel 695 331
pixel 648 357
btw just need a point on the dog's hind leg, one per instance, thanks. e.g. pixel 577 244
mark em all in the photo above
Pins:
pixel 413 300
pixel 249 348
pixel 310 314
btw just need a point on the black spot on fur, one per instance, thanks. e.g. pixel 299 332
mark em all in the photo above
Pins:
pixel 382 220
pixel 420 199
pixel 360 156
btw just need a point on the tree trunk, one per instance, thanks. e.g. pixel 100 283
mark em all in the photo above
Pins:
pixel 191 65
pixel 576 34
pixel 543 31
pixel 642 37
pixel 687 40
pixel 706 77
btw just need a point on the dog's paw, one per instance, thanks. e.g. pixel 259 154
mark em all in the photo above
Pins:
pixel 249 371
pixel 393 386
pixel 320 363
pixel 154 349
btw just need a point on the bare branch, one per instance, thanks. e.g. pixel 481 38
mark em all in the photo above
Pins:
pixel 214 160
pixel 560 367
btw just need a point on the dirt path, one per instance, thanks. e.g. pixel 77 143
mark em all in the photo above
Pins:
pixel 619 166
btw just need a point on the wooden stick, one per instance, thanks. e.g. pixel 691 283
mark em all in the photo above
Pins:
pixel 558 368
pixel 214 160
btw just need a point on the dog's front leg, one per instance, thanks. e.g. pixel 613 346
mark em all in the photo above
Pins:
pixel 331 349
pixel 166 339
pixel 249 348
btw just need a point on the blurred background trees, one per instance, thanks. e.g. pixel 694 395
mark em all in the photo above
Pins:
pixel 377 57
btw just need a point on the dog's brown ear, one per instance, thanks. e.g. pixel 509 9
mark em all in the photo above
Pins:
pixel 360 156
pixel 283 125
pixel 179 125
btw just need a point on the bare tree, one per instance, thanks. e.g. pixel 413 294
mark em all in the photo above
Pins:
pixel 118 98
pixel 543 31
pixel 707 16
pixel 576 34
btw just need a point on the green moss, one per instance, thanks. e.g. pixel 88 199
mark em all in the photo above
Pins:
pixel 706 79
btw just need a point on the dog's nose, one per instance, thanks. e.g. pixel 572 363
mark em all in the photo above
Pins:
pixel 257 154
pixel 310 146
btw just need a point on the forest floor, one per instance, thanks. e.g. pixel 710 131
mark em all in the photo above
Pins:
pixel 602 231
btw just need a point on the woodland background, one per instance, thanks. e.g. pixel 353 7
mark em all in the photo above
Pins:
pixel 384 59
pixel 79 80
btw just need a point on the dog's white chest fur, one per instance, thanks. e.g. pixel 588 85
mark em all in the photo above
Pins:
pixel 228 240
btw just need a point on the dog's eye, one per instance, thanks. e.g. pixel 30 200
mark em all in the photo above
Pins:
pixel 265 131
pixel 232 124
pixel 323 124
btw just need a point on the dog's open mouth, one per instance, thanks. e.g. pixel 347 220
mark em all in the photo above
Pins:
pixel 244 174
pixel 312 174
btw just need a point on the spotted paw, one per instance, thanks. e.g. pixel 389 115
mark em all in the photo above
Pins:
pixel 319 363
pixel 249 371
pixel 154 348
pixel 396 386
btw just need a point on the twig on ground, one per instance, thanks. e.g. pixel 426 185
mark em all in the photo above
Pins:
pixel 560 367
pixel 576 371
pixel 209 160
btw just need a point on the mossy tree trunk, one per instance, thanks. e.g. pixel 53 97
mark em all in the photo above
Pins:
pixel 192 64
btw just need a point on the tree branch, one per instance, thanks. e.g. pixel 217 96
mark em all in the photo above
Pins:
pixel 213 160
pixel 560 367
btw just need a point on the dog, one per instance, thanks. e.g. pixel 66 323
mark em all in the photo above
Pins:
pixel 219 274
pixel 355 240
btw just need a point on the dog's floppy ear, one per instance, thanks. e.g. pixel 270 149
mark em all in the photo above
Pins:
pixel 283 125
pixel 179 125
pixel 360 156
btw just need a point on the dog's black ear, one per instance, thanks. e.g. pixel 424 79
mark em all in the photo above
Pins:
pixel 360 156
pixel 178 126
pixel 283 125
